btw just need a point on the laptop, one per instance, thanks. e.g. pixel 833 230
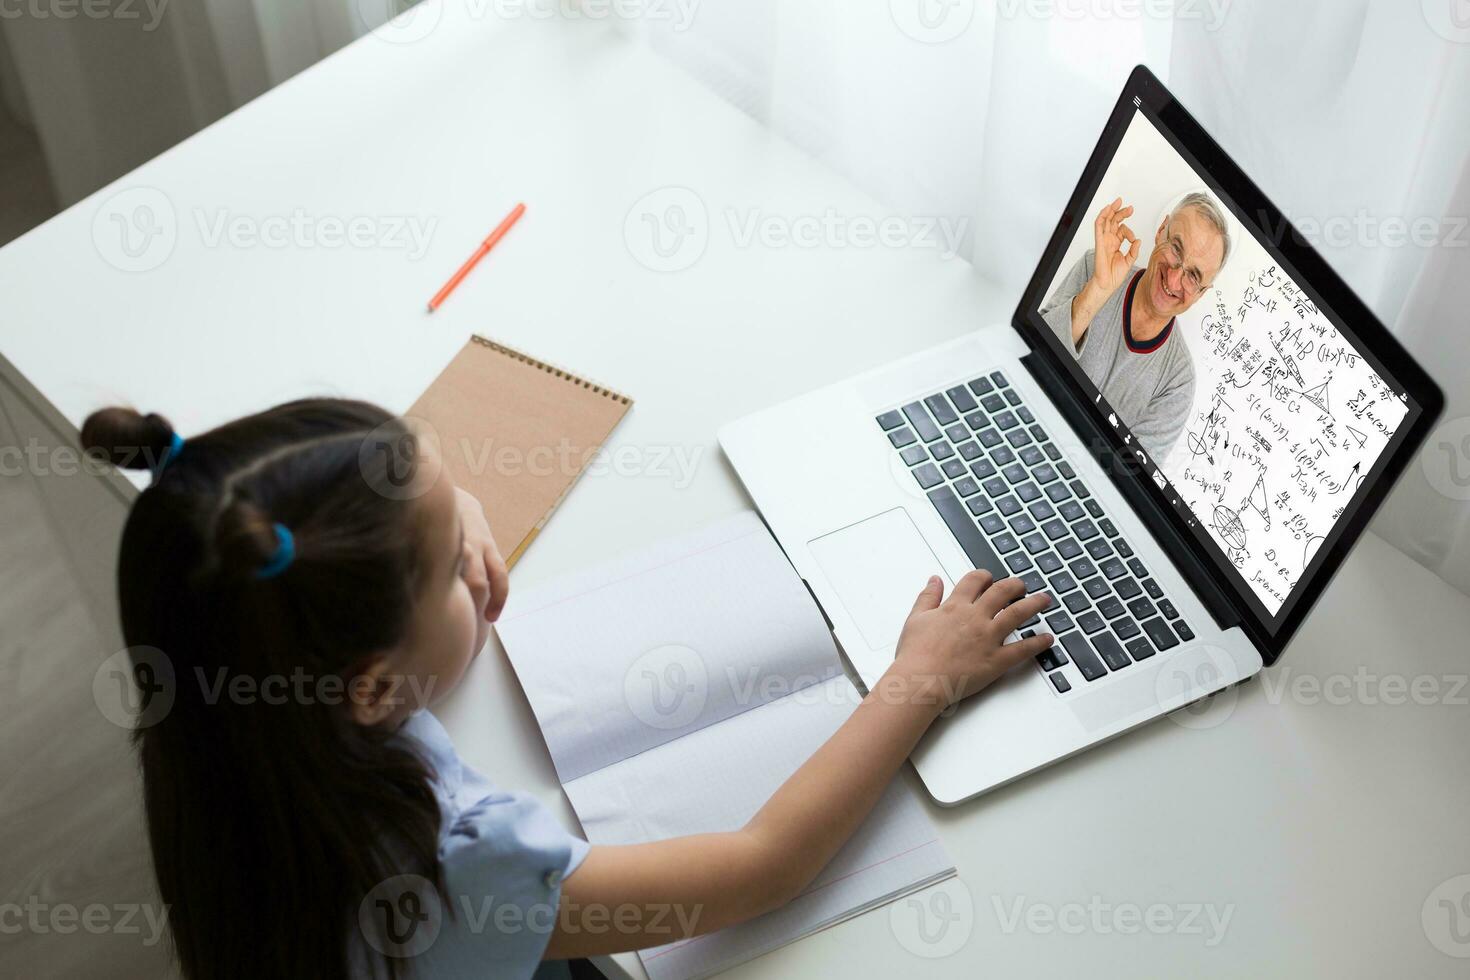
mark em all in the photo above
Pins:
pixel 1184 428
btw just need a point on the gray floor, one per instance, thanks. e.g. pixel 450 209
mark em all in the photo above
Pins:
pixel 71 826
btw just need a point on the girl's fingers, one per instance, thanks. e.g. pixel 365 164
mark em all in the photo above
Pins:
pixel 1014 653
pixel 499 577
pixel 1013 616
pixel 1000 595
pixel 968 589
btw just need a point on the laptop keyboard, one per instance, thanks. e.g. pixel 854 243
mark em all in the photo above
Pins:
pixel 1019 509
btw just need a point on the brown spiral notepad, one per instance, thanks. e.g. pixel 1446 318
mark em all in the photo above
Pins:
pixel 517 433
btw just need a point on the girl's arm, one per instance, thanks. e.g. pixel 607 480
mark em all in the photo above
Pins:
pixel 642 895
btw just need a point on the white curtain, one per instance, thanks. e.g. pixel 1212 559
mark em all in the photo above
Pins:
pixel 1348 113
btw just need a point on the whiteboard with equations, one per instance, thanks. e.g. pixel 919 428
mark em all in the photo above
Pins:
pixel 1288 418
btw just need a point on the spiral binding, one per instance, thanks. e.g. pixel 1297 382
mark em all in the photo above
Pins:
pixel 551 369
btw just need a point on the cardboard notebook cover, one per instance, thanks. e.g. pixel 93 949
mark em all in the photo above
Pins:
pixel 517 433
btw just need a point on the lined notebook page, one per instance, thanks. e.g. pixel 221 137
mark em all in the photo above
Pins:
pixel 677 689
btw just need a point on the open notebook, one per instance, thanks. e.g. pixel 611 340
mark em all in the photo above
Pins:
pixel 677 689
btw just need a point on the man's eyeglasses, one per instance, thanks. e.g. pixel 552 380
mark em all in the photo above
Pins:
pixel 1192 280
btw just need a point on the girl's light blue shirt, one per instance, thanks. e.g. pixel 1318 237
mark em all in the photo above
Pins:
pixel 504 858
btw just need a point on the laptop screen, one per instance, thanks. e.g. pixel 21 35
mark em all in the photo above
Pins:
pixel 1249 404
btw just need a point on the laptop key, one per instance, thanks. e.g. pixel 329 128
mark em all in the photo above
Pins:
pixel 1107 526
pixel 941 450
pixel 969 451
pixel 953 468
pixel 999 379
pixel 1159 632
pixel 1037 433
pixel 1185 633
pixel 1006 421
pixel 956 433
pixel 1141 608
pixel 1055 529
pixel 1062 582
pixel 1069 549
pixel 1057 492
pixel 961 398
pixel 920 420
pixel 1013 398
pixel 1084 530
pixel 993 404
pixel 979 505
pixel 1048 659
pixel 1018 562
pixel 966 487
pixel 1096 587
pixel 902 437
pixel 976 548
pixel 1022 524
pixel 992 524
pixel 1112 651
pixel 1015 472
pixel 1076 602
pixel 1083 656
pixel 890 420
pixel 1031 456
pixel 1111 608
pixel 1140 649
pixel 989 438
pixel 1127 588
pixel 1002 455
pixel 1018 438
pixel 1005 543
pixel 1066 470
pixel 1024 414
pixel 1113 568
pixel 1126 629
pixel 1034 583
pixel 995 486
pixel 943 413
pixel 927 475
pixel 1080 489
pixel 1167 608
pixel 1052 452
pixel 982 468
pixel 981 386
pixel 1124 548
pixel 1034 544
pixel 1153 589
pixel 1099 548
pixel 977 420
pixel 1048 563
pixel 1008 505
pixel 1136 567
pixel 1058 622
pixel 1091 622
pixel 1082 568
pixel 1028 492
pixel 1071 510
pixel 1044 474
pixel 914 455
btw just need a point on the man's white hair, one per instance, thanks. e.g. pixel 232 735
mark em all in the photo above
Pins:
pixel 1204 205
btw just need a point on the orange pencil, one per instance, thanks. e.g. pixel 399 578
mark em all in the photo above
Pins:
pixel 480 253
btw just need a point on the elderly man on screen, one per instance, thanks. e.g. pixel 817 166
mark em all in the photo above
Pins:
pixel 1118 320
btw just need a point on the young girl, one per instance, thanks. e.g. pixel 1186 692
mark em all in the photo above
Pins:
pixel 318 552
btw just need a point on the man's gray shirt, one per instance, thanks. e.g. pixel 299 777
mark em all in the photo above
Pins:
pixel 1150 389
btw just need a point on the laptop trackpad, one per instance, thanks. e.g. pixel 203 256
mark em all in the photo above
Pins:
pixel 877 568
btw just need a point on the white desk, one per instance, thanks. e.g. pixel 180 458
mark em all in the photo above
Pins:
pixel 1321 828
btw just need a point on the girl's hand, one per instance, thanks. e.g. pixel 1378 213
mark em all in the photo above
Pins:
pixel 484 570
pixel 952 649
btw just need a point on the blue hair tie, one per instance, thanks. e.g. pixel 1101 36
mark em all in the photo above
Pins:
pixel 284 555
pixel 175 446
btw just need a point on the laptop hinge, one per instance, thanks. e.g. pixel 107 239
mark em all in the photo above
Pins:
pixel 1126 476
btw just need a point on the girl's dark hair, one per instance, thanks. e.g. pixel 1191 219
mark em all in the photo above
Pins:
pixel 271 819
